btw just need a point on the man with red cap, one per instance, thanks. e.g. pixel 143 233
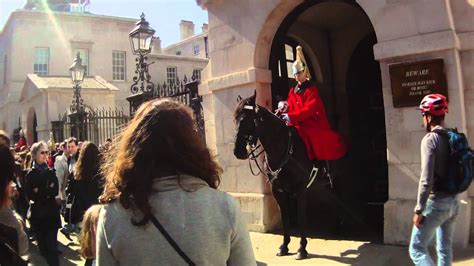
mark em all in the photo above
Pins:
pixel 436 209
pixel 305 111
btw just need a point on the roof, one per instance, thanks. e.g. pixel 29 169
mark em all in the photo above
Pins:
pixel 178 57
pixel 64 82
pixel 189 39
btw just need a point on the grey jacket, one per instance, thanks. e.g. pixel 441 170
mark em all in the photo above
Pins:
pixel 207 225
pixel 9 218
pixel 434 155
pixel 62 173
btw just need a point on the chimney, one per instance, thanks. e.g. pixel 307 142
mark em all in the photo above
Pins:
pixel 186 28
pixel 205 27
pixel 156 46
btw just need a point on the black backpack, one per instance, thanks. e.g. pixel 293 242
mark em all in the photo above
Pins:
pixel 460 175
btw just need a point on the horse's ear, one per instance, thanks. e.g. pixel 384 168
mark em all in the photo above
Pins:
pixel 239 98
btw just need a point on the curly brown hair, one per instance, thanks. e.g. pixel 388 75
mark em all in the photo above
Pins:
pixel 161 140
pixel 88 163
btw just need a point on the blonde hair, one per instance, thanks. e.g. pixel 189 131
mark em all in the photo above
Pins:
pixel 88 231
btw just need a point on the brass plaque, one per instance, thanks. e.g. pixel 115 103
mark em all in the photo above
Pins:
pixel 411 81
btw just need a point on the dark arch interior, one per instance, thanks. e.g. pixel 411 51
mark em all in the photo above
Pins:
pixel 337 38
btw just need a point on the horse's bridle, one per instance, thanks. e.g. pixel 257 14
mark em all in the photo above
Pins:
pixel 253 154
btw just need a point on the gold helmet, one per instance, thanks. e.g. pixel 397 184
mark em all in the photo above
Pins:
pixel 300 63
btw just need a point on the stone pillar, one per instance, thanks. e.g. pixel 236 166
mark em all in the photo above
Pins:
pixel 404 131
pixel 219 102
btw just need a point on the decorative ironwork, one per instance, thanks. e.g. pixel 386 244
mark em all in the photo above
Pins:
pixel 99 124
pixel 142 81
pixel 77 105
pixel 141 40
pixel 185 91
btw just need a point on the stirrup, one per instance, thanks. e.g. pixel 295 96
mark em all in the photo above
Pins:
pixel 326 173
pixel 312 175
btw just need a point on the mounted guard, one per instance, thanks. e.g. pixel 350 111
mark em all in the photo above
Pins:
pixel 304 110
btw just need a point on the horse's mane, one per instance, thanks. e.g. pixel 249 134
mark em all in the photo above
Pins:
pixel 264 111
pixel 247 101
pixel 267 113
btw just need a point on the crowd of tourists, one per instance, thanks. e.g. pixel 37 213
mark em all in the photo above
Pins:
pixel 150 196
pixel 45 181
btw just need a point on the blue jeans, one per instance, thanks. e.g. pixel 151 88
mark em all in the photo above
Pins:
pixel 440 216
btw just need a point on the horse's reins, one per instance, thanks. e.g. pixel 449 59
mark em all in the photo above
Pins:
pixel 253 156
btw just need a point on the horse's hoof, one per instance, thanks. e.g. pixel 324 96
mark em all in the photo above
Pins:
pixel 282 252
pixel 301 255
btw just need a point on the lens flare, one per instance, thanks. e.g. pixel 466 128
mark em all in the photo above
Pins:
pixel 54 22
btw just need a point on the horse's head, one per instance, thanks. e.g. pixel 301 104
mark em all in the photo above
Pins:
pixel 245 116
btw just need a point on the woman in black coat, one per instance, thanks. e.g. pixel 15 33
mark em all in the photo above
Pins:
pixel 41 189
pixel 86 186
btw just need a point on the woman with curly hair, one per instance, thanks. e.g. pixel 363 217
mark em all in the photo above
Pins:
pixel 84 190
pixel 161 175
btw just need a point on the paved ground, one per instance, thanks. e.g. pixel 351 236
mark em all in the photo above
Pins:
pixel 322 252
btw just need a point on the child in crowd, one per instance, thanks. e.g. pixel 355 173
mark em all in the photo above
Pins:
pixel 88 232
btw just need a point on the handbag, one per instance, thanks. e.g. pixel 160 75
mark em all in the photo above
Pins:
pixel 171 241
pixel 8 254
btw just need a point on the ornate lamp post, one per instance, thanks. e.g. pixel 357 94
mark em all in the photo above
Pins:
pixel 141 41
pixel 78 113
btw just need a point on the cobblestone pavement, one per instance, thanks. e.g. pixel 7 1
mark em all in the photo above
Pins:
pixel 321 252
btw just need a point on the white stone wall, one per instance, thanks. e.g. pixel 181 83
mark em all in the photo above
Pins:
pixel 101 35
pixel 241 33
pixel 26 30
pixel 186 47
pixel 184 65
pixel 406 31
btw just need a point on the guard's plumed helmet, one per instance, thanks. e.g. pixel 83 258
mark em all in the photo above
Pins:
pixel 300 63
pixel 434 104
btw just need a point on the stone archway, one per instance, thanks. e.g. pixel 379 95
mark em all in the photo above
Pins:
pixel 333 46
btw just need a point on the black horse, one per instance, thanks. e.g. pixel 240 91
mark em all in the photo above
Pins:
pixel 287 166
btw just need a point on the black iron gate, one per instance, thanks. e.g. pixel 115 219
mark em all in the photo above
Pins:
pixel 184 91
pixel 98 125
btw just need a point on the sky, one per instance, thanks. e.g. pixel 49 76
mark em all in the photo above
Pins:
pixel 163 15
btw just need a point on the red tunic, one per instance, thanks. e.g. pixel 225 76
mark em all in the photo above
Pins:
pixel 307 115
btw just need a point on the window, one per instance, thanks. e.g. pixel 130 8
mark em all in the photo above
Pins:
pixel 84 53
pixel 171 74
pixel 118 65
pixel 196 49
pixel 178 52
pixel 196 74
pixel 41 62
pixel 290 54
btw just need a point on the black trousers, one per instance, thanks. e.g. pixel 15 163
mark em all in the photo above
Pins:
pixel 48 245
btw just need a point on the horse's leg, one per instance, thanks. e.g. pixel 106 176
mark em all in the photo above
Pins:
pixel 302 224
pixel 282 199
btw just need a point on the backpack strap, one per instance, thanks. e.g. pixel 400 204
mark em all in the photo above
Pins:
pixel 171 241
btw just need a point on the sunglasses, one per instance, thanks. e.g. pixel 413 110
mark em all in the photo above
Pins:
pixel 44 152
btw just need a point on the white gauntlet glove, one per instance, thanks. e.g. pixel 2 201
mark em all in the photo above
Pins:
pixel 283 106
